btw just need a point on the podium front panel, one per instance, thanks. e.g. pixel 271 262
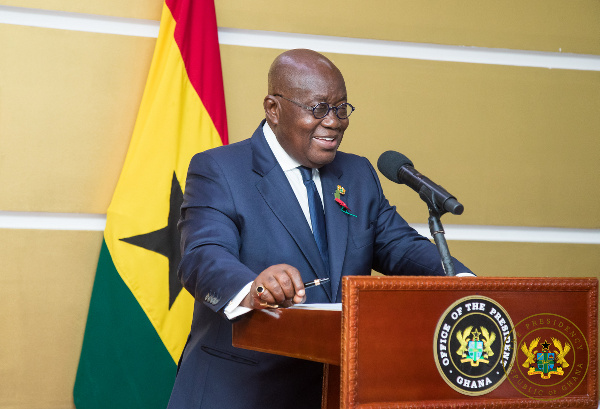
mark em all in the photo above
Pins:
pixel 388 347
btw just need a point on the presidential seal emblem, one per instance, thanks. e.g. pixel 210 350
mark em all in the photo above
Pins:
pixel 553 357
pixel 474 345
pixel 545 363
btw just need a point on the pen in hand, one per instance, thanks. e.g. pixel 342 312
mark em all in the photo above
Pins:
pixel 316 282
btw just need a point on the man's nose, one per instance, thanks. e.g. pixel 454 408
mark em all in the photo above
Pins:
pixel 331 120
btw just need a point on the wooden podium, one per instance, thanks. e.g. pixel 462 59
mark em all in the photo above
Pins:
pixel 381 350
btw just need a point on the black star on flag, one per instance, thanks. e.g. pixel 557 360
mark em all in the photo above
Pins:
pixel 166 240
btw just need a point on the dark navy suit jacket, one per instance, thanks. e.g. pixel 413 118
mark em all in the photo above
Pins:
pixel 241 216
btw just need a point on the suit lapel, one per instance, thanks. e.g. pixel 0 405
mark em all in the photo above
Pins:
pixel 279 196
pixel 337 224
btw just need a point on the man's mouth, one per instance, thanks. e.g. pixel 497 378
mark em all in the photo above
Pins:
pixel 324 139
pixel 326 142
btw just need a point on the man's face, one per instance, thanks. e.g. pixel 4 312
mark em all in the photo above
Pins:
pixel 312 142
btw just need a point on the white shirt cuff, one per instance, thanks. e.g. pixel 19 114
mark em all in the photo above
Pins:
pixel 465 274
pixel 234 309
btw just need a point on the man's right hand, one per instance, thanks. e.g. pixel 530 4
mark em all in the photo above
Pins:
pixel 282 285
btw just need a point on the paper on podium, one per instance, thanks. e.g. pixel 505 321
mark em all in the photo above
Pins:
pixel 323 307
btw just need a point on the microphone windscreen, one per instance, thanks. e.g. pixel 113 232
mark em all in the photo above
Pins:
pixel 390 162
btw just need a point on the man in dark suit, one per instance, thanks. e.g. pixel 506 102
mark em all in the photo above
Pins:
pixel 253 230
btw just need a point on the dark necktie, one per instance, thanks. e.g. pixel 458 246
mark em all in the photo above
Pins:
pixel 317 217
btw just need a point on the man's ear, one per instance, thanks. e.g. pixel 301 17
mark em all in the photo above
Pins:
pixel 271 106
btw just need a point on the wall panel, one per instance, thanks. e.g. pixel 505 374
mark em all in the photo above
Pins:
pixel 46 279
pixel 68 106
pixel 555 25
pixel 504 259
pixel 143 9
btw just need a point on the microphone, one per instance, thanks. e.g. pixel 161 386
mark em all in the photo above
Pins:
pixel 398 168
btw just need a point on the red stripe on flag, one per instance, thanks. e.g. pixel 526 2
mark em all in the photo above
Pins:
pixel 198 41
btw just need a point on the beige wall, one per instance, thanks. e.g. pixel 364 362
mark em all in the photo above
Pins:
pixel 517 145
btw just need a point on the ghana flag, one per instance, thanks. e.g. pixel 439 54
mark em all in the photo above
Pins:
pixel 139 315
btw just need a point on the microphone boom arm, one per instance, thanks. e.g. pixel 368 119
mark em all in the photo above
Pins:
pixel 437 230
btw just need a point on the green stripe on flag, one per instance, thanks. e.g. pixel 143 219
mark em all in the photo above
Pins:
pixel 123 363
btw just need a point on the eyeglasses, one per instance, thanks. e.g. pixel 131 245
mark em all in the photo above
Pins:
pixel 321 110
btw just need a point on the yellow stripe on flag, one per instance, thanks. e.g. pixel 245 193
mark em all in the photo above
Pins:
pixel 172 126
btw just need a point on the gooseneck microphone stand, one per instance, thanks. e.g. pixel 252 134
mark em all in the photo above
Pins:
pixel 437 230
